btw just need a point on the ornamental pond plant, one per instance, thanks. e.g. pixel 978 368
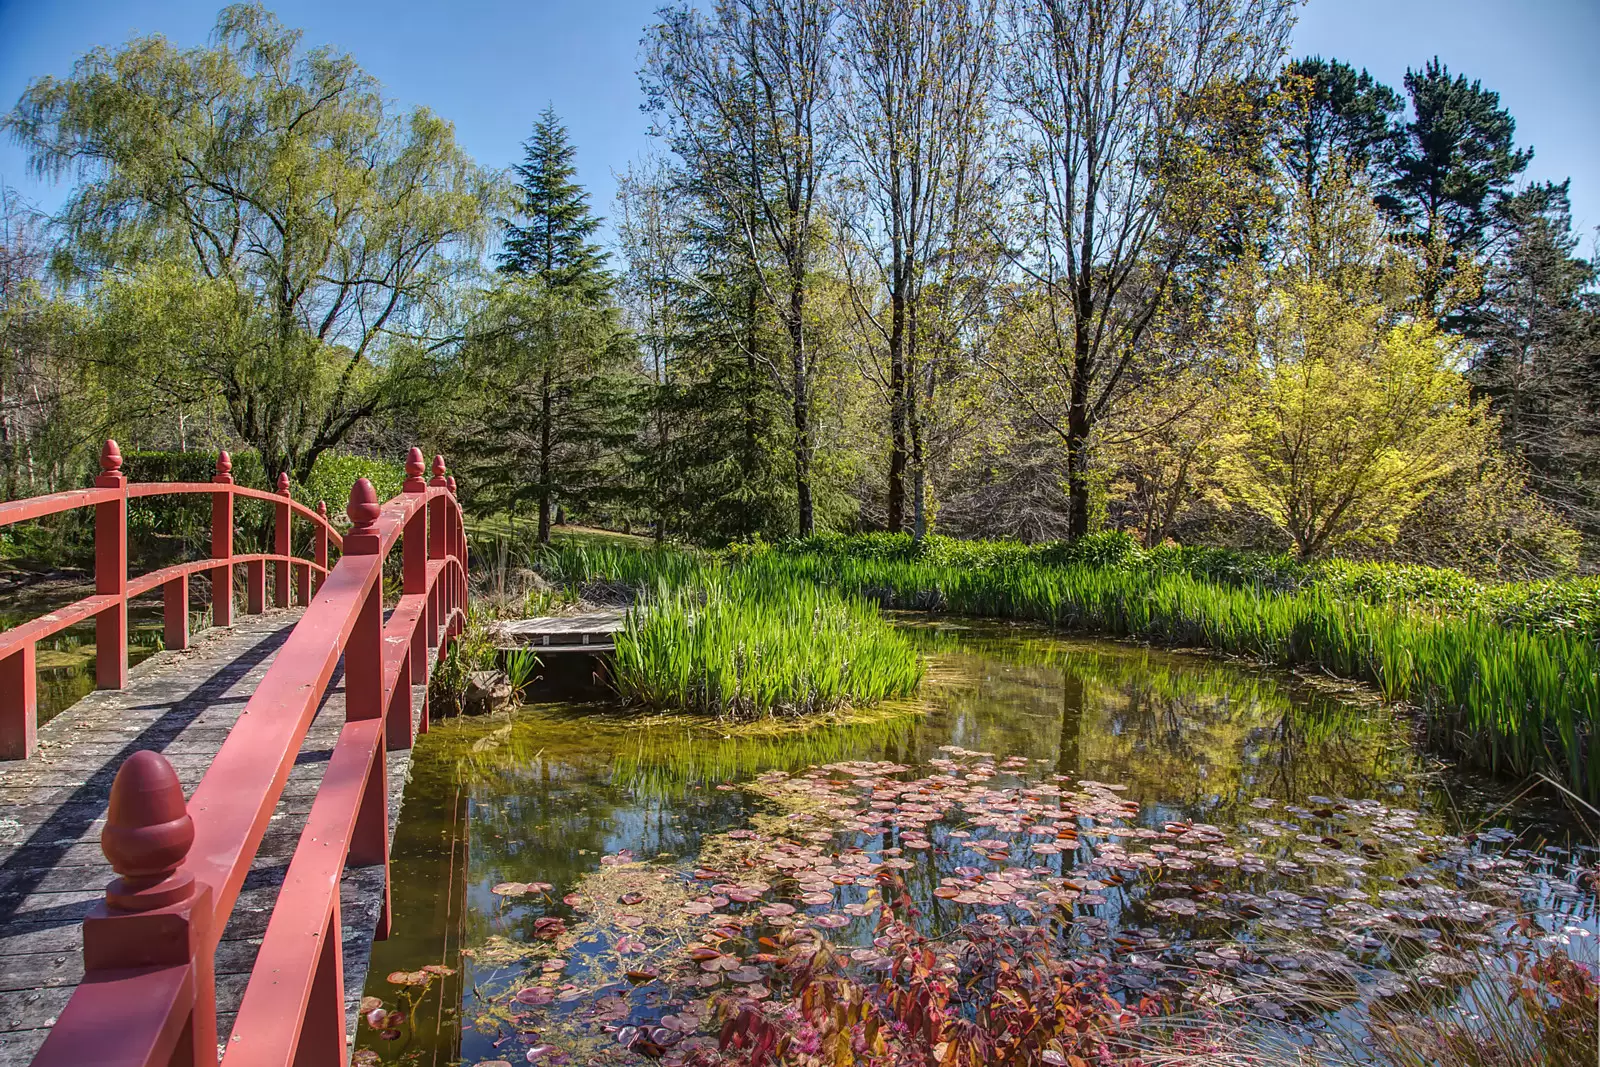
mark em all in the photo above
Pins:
pixel 987 911
pixel 750 644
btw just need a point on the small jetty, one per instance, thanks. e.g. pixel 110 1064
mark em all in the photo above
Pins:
pixel 591 632
pixel 575 651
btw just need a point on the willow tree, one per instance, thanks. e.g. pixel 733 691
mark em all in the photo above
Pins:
pixel 741 94
pixel 324 230
pixel 915 108
pixel 1133 122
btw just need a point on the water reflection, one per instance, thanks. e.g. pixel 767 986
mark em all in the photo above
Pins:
pixel 542 795
pixel 65 661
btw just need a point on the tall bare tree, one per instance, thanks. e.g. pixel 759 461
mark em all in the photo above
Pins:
pixel 654 247
pixel 741 94
pixel 915 104
pixel 1130 116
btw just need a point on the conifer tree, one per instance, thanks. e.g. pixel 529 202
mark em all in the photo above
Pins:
pixel 1538 352
pixel 550 237
pixel 1454 169
pixel 1329 116
pixel 547 362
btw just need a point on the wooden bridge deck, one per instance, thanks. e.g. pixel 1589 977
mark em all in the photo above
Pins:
pixel 52 808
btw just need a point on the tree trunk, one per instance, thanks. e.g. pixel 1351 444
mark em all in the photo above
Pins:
pixel 898 391
pixel 546 407
pixel 914 409
pixel 747 462
pixel 802 413
pixel 1078 427
pixel 919 486
pixel 802 467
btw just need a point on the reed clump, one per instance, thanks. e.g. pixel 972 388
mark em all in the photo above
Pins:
pixel 744 645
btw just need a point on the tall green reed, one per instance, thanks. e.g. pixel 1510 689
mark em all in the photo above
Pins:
pixel 745 645
pixel 1504 698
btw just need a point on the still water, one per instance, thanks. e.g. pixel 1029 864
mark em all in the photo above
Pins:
pixel 65 661
pixel 550 794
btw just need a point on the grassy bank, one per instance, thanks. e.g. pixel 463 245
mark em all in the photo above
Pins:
pixel 1506 698
pixel 1513 697
pixel 1556 605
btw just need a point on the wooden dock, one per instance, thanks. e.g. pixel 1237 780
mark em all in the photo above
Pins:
pixel 591 632
pixel 52 808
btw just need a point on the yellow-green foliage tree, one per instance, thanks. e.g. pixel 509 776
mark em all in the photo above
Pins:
pixel 1167 452
pixel 1353 410
pixel 1351 422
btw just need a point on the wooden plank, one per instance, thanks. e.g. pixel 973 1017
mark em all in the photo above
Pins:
pixel 524 631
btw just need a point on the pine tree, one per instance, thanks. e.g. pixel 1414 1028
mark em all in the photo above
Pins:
pixel 549 371
pixel 1455 166
pixel 1328 114
pixel 552 240
pixel 1539 355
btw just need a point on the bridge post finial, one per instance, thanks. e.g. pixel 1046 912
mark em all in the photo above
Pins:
pixel 283 483
pixel 224 469
pixel 111 476
pixel 450 483
pixel 415 483
pixel 362 540
pixel 147 836
pixel 155 913
pixel 438 472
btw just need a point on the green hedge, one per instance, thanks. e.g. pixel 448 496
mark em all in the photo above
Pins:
pixel 330 479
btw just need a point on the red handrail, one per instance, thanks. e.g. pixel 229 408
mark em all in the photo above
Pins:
pixel 108 606
pixel 148 997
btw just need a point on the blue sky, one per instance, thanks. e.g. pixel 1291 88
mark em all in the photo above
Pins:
pixel 490 67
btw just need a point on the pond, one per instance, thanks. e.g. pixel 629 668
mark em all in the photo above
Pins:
pixel 553 864
pixel 65 660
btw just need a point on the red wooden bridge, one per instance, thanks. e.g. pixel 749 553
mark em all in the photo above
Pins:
pixel 289 724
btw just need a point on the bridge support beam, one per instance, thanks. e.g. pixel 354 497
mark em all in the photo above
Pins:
pixel 111 573
pixel 19 703
pixel 222 545
pixel 175 613
pixel 281 530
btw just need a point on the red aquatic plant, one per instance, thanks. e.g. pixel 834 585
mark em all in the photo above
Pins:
pixel 984 996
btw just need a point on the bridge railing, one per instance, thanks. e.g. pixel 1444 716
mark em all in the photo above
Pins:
pixel 148 998
pixel 113 588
